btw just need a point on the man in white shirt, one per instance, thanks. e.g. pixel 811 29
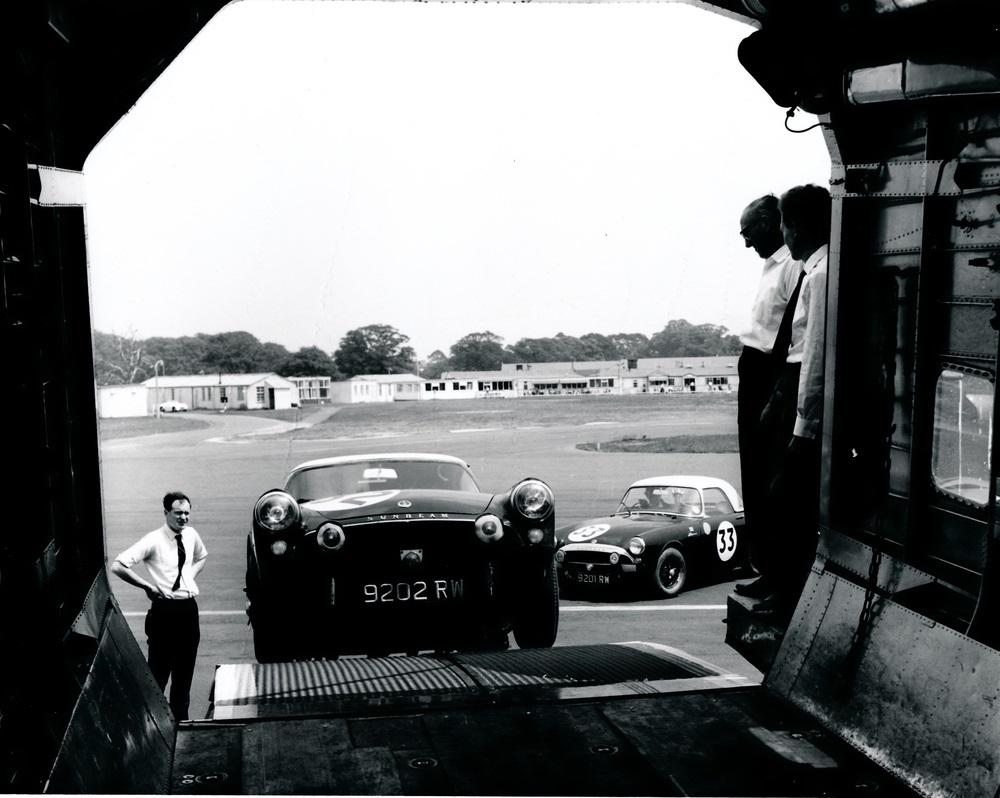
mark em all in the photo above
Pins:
pixel 173 555
pixel 793 417
pixel 765 346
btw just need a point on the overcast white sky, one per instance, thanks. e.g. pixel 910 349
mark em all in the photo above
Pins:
pixel 305 168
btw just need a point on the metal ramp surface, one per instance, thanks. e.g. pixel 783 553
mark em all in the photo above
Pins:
pixel 626 719
pixel 245 691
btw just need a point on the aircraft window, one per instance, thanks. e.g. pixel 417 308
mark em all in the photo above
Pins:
pixel 963 434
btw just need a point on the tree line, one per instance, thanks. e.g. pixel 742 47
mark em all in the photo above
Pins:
pixel 382 349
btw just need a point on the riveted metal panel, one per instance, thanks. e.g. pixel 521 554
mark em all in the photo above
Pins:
pixel 894 697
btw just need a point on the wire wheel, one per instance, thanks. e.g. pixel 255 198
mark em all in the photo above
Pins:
pixel 670 573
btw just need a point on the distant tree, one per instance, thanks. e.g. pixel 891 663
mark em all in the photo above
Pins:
pixel 120 359
pixel 185 355
pixel 629 345
pixel 680 338
pixel 479 351
pixel 540 350
pixel 435 365
pixel 231 353
pixel 375 349
pixel 594 346
pixel 310 361
pixel 270 357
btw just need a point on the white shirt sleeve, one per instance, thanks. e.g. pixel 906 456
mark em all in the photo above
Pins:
pixel 809 408
pixel 136 553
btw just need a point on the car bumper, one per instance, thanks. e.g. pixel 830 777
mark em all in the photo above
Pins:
pixel 590 565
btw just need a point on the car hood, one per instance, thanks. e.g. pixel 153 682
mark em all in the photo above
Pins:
pixel 399 502
pixel 616 530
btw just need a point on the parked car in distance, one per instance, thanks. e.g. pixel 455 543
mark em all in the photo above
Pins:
pixel 172 406
pixel 379 553
pixel 664 529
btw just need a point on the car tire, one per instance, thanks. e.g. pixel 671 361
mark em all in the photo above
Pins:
pixel 537 619
pixel 267 643
pixel 670 572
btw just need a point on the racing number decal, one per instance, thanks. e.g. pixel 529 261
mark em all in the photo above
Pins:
pixel 356 501
pixel 589 532
pixel 725 541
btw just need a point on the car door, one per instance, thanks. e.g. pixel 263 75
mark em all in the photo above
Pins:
pixel 726 527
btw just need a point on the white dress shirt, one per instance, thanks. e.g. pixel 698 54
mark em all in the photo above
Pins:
pixel 777 282
pixel 808 344
pixel 158 551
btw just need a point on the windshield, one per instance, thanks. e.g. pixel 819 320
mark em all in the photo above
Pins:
pixel 669 499
pixel 346 478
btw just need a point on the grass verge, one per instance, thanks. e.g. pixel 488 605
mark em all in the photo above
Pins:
pixel 696 444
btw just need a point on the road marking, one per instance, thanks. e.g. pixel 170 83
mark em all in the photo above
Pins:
pixel 654 608
pixel 476 429
pixel 601 423
pixel 644 608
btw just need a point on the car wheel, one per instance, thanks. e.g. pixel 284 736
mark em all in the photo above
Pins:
pixel 670 573
pixel 537 619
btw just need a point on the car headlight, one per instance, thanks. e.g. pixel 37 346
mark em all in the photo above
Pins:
pixel 276 511
pixel 532 499
pixel 636 546
pixel 489 528
pixel 330 536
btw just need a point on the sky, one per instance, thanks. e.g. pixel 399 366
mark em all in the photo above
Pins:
pixel 304 168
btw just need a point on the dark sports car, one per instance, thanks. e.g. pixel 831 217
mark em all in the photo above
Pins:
pixel 664 528
pixel 399 552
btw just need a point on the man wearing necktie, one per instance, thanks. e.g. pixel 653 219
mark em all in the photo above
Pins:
pixel 765 345
pixel 173 555
pixel 794 414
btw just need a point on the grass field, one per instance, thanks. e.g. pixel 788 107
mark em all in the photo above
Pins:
pixel 459 414
pixel 675 443
pixel 112 428
pixel 362 420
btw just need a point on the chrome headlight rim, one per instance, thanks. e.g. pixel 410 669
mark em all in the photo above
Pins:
pixel 532 508
pixel 489 528
pixel 636 546
pixel 336 530
pixel 276 512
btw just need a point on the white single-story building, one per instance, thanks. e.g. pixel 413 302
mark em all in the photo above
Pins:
pixel 312 390
pixel 469 385
pixel 377 388
pixel 218 391
pixel 626 376
pixel 122 401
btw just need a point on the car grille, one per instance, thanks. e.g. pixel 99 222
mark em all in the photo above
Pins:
pixel 596 556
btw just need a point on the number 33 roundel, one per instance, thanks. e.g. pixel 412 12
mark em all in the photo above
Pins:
pixel 725 541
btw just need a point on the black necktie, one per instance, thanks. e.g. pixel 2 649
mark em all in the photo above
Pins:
pixel 181 556
pixel 784 337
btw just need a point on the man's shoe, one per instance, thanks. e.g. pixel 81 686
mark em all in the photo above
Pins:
pixel 758 588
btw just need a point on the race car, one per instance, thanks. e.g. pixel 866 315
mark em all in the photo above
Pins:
pixel 380 553
pixel 664 528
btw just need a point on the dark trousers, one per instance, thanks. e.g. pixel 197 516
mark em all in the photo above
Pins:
pixel 757 371
pixel 792 490
pixel 173 634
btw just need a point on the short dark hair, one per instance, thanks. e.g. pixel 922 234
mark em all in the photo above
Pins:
pixel 174 496
pixel 807 210
pixel 766 207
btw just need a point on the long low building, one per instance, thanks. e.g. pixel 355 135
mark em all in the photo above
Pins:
pixel 218 391
pixel 627 376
